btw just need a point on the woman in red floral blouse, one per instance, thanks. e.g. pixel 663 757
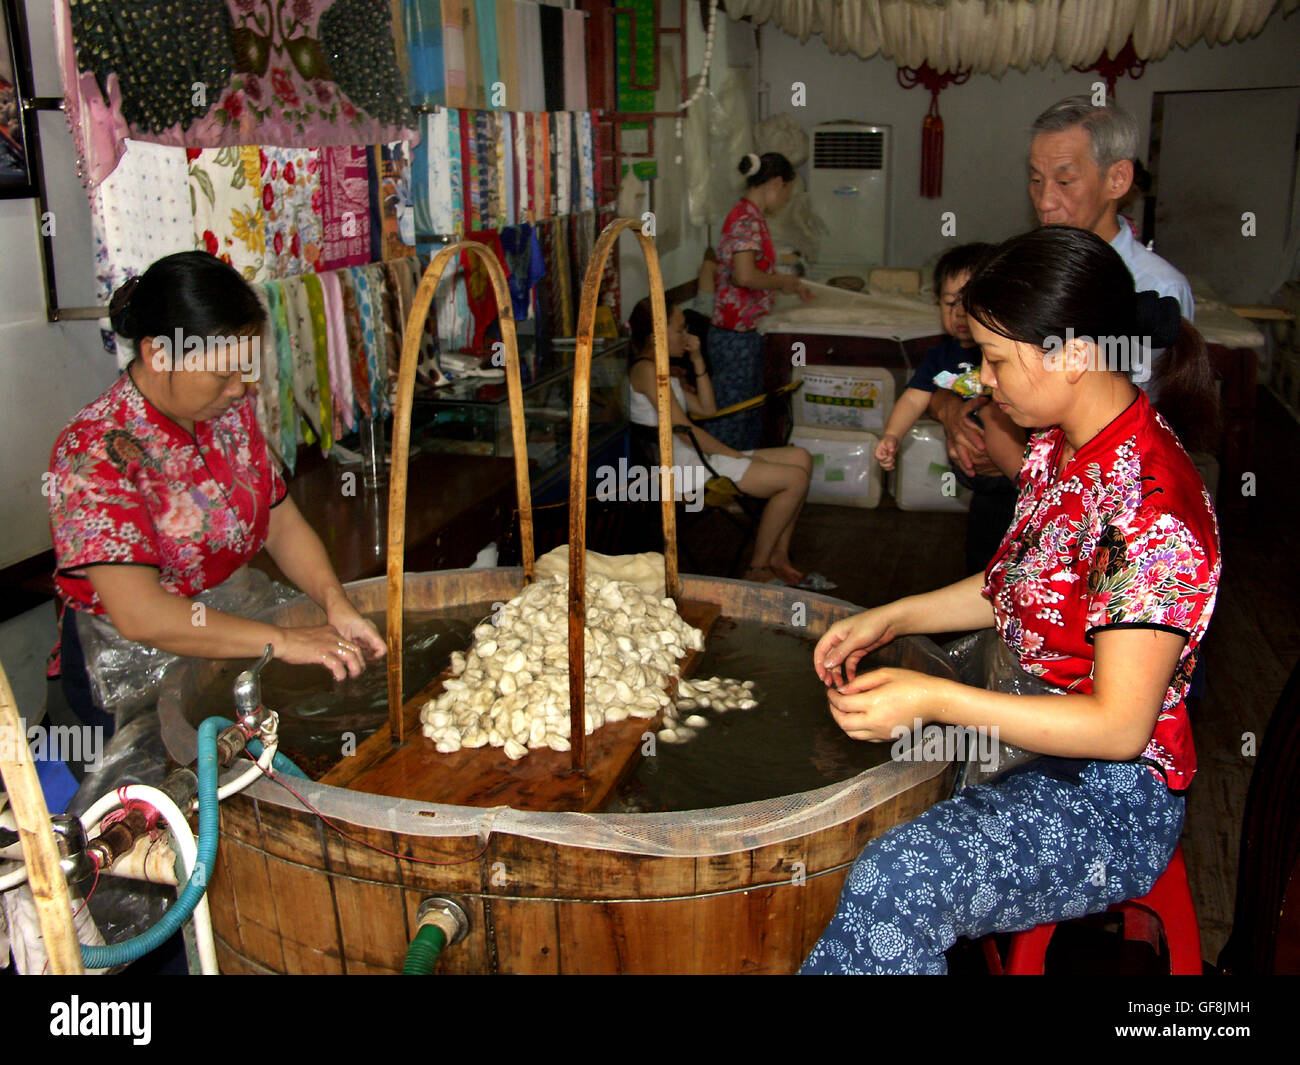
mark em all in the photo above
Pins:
pixel 746 283
pixel 163 488
pixel 1103 586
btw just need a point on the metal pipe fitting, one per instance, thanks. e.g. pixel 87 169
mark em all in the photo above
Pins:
pixel 70 837
pixel 444 913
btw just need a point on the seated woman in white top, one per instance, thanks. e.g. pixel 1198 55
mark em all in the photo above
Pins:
pixel 778 474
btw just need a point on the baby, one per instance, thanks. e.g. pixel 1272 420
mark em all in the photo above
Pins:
pixel 954 364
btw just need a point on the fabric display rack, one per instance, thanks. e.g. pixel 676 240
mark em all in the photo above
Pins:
pixel 326 149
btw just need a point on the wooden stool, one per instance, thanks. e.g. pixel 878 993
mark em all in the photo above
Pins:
pixel 1169 900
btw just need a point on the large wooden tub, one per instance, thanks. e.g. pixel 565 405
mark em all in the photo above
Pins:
pixel 741 889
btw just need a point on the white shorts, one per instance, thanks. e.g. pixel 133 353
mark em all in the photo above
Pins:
pixel 729 467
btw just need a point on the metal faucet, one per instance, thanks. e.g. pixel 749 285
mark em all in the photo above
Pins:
pixel 250 714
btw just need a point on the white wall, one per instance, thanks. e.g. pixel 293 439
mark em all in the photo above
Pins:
pixel 682 263
pixel 47 372
pixel 987 119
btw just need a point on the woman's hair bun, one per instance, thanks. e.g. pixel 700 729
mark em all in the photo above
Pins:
pixel 119 309
pixel 750 163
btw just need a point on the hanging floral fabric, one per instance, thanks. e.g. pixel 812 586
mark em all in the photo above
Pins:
pixel 587 161
pixel 371 339
pixel 320 72
pixel 267 390
pixel 545 163
pixel 226 201
pixel 520 129
pixel 397 281
pixel 326 374
pixel 386 303
pixel 469 170
pixel 506 153
pixel 454 218
pixel 555 317
pixel 354 342
pixel 286 434
pixel 340 360
pixel 485 154
pixel 310 374
pixel 291 206
pixel 345 208
pixel 500 145
pixel 562 122
pixel 428 357
pixel 393 196
pixel 530 166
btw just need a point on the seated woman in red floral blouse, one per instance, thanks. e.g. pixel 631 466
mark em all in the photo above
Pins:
pixel 163 487
pixel 1103 587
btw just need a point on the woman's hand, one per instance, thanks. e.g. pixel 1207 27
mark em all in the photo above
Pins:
pixel 349 624
pixel 794 283
pixel 320 645
pixel 847 641
pixel 874 705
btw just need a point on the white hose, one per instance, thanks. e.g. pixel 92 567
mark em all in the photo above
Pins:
pixel 184 839
pixel 261 766
pixel 12 880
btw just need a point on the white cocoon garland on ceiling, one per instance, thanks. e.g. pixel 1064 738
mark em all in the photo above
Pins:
pixel 988 36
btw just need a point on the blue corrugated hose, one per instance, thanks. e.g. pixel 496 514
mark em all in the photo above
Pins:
pixel 178 913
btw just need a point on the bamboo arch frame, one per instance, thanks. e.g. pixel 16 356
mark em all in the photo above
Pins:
pixel 577 456
pixel 402 443
pixel 578 462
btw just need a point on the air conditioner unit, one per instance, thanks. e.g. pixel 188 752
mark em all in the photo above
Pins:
pixel 849 188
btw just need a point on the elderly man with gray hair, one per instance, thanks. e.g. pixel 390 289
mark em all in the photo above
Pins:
pixel 1080 169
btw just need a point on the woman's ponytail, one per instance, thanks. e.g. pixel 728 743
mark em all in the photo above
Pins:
pixel 1187 397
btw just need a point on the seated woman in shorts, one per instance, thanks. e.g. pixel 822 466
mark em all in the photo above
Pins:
pixel 778 474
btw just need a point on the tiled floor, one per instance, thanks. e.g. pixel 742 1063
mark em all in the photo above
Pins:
pixel 878 555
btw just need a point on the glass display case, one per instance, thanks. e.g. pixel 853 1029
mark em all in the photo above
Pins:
pixel 472 415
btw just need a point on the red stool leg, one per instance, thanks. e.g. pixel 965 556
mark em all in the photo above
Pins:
pixel 1029 951
pixel 991 956
pixel 1171 899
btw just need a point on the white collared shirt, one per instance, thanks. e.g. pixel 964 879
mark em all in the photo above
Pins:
pixel 1152 272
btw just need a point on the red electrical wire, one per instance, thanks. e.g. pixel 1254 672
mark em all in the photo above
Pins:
pixel 392 854
pixel 93 884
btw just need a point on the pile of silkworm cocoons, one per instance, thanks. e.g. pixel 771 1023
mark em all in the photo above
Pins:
pixel 511 689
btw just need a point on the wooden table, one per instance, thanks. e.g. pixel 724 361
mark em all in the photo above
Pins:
pixel 456 504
